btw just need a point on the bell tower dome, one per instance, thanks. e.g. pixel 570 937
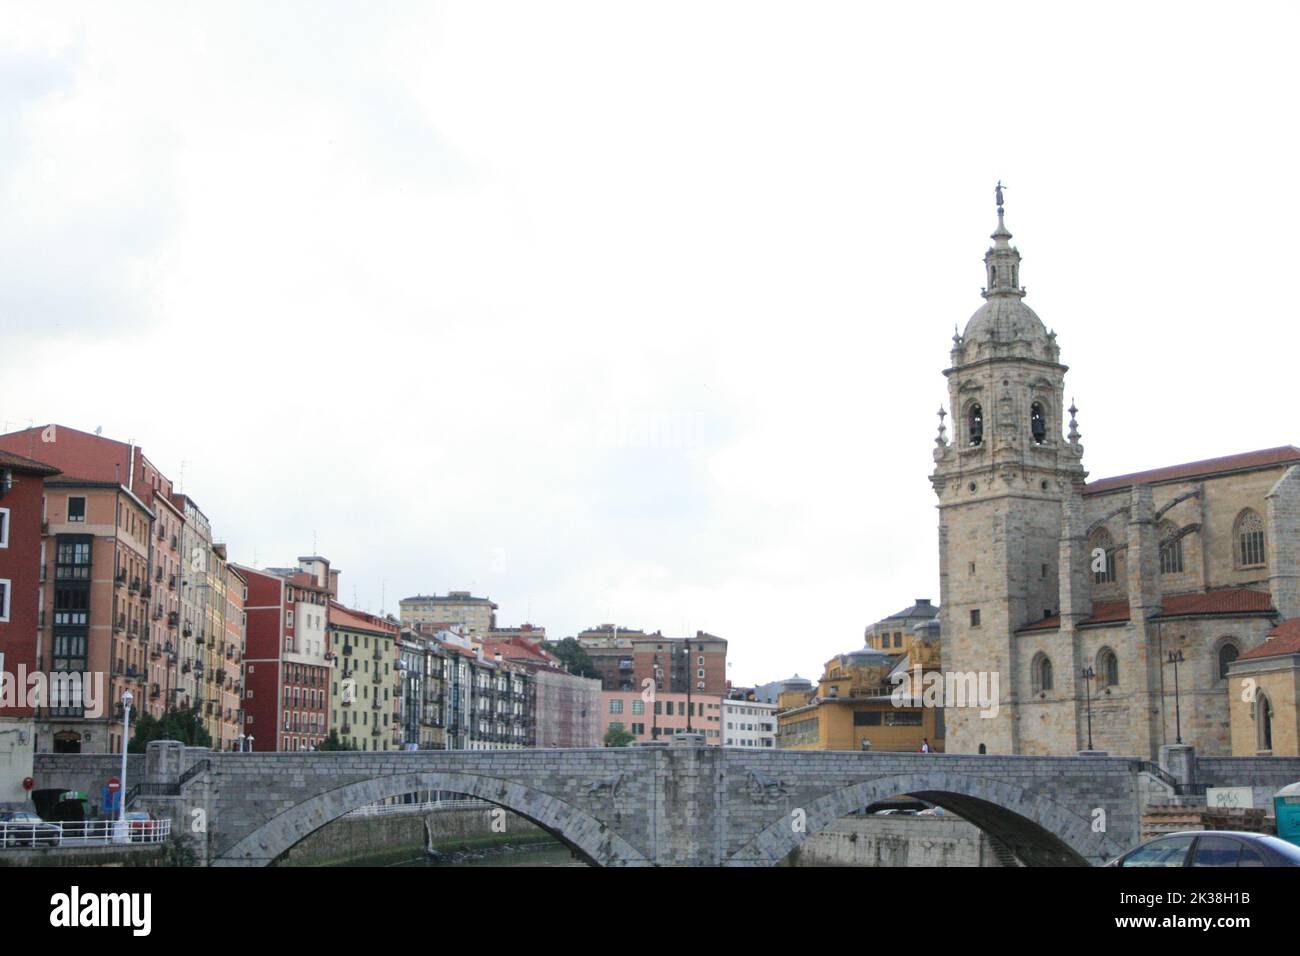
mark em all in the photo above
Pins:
pixel 1001 478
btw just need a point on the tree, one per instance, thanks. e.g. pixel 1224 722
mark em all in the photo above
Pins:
pixel 179 723
pixel 617 736
pixel 332 742
pixel 573 656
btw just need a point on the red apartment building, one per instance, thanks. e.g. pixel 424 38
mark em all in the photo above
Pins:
pixel 114 599
pixel 288 662
pixel 22 493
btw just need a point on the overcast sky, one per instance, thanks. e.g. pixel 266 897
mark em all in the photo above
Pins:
pixel 633 312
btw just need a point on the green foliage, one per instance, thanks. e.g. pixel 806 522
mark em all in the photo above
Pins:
pixel 332 742
pixel 573 656
pixel 180 851
pixel 618 736
pixel 184 724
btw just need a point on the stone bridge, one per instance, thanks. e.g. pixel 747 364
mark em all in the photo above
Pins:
pixel 647 806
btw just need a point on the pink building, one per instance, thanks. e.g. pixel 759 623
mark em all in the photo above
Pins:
pixel 660 718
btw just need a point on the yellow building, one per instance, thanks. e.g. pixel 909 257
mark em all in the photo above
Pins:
pixel 1264 702
pixel 864 702
pixel 896 633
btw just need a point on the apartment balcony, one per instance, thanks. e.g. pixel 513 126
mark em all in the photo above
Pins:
pixel 374 704
pixel 347 648
pixel 155 652
pixel 187 631
pixel 135 586
pixel 346 729
pixel 146 592
pixel 134 629
pixel 171 582
pixel 158 575
pixel 347 702
pixel 120 623
pixel 170 649
pixel 374 731
pixel 158 613
pixel 173 618
pixel 154 692
pixel 376 677
pixel 201 639
pixel 185 667
pixel 120 579
pixel 162 533
pixel 173 547
pixel 378 655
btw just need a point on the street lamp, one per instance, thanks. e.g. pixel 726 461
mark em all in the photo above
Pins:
pixel 1176 658
pixel 127 698
pixel 1087 675
pixel 250 743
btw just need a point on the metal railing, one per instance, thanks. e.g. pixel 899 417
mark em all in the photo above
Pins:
pixel 88 833
pixel 385 809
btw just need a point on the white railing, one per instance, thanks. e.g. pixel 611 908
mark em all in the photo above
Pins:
pixel 384 809
pixel 88 833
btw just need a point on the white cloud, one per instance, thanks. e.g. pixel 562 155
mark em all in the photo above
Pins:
pixel 631 313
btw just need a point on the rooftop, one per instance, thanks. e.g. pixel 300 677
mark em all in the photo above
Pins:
pixel 1283 639
pixel 1221 601
pixel 1246 461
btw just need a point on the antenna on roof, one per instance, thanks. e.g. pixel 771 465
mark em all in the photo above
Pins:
pixel 99 430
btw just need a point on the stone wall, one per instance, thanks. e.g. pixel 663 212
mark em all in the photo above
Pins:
pixel 897 841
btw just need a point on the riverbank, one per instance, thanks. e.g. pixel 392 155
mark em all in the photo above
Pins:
pixel 397 838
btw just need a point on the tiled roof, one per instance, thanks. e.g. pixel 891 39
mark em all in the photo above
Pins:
pixel 348 620
pixel 1198 469
pixel 1221 601
pixel 22 463
pixel 1283 639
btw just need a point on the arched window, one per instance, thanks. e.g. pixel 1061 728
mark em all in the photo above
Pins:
pixel 975 427
pixel 1250 540
pixel 1041 673
pixel 1227 654
pixel 1101 552
pixel 993 276
pixel 1108 668
pixel 1263 722
pixel 1171 551
pixel 1038 423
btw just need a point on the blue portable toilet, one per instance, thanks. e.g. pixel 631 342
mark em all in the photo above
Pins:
pixel 1286 806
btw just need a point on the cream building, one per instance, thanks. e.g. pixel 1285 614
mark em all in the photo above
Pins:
pixel 1079 596
pixel 475 614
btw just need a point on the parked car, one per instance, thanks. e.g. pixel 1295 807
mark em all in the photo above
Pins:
pixel 1212 848
pixel 24 828
pixel 141 826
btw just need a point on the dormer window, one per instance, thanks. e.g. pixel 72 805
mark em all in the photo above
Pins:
pixel 1038 423
pixel 976 424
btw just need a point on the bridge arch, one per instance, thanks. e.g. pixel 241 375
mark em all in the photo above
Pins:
pixel 577 829
pixel 1040 831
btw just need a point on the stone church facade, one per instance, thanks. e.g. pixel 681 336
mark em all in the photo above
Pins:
pixel 1076 594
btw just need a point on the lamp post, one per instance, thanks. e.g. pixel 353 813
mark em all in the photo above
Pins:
pixel 1087 675
pixel 127 698
pixel 250 743
pixel 1176 658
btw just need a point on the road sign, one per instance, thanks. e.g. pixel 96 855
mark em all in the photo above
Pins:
pixel 114 785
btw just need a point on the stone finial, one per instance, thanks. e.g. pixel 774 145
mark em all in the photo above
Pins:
pixel 1074 425
pixel 943 429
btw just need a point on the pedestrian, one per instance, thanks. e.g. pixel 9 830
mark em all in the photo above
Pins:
pixel 925 745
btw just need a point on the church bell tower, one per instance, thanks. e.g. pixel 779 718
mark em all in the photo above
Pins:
pixel 1002 479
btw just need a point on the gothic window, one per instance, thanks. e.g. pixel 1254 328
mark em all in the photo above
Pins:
pixel 1227 654
pixel 976 424
pixel 1171 551
pixel 1108 668
pixel 1250 540
pixel 1103 565
pixel 1263 722
pixel 1038 423
pixel 1041 672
